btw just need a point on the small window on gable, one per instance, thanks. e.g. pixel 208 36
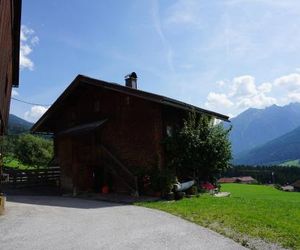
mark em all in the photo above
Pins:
pixel 169 131
pixel 97 106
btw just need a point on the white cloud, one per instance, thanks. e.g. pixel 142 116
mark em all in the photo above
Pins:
pixel 28 40
pixel 183 12
pixel 259 100
pixel 35 113
pixel 292 97
pixel 289 87
pixel 25 61
pixel 35 40
pixel 14 93
pixel 242 93
pixel 291 82
pixel 217 101
pixel 243 86
pixel 265 87
pixel 221 83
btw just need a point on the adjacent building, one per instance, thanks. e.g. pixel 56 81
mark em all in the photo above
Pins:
pixel 10 23
pixel 296 185
pixel 241 179
pixel 10 19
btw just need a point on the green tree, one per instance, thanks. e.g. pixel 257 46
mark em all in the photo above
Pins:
pixel 199 149
pixel 34 150
pixel 8 144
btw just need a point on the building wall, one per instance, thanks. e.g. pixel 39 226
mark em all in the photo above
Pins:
pixel 134 130
pixel 6 60
pixel 133 133
pixel 8 68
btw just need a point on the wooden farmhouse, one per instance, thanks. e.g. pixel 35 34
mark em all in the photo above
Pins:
pixel 10 19
pixel 10 23
pixel 105 132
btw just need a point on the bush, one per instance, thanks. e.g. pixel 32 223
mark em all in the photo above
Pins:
pixel 162 180
pixel 34 150
pixel 8 144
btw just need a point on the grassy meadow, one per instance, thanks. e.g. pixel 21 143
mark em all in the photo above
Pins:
pixel 251 212
pixel 15 163
pixel 295 163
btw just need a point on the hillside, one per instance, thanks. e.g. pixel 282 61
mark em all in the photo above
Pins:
pixel 295 163
pixel 255 127
pixel 17 125
pixel 282 149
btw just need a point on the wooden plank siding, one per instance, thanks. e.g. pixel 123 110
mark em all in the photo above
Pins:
pixel 133 132
pixel 10 14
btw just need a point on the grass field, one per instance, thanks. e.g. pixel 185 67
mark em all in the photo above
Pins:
pixel 14 163
pixel 295 163
pixel 252 212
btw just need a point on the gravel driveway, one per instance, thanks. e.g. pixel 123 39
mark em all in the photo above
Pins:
pixel 49 222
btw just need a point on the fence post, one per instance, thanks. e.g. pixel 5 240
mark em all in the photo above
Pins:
pixel 15 180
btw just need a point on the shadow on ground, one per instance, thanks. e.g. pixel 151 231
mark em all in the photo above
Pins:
pixel 59 201
pixel 32 191
pixel 51 196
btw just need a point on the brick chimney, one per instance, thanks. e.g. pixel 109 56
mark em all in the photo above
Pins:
pixel 131 80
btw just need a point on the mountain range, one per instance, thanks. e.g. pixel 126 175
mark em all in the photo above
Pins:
pixel 282 149
pixel 266 136
pixel 17 125
pixel 255 127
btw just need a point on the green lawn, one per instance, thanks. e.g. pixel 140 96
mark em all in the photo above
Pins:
pixel 295 163
pixel 254 211
pixel 15 163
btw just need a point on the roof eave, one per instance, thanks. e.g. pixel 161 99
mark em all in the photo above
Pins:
pixel 34 128
pixel 158 99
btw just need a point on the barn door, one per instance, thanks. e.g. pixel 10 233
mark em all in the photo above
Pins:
pixel 82 158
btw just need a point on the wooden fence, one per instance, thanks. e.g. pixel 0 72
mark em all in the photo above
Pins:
pixel 30 178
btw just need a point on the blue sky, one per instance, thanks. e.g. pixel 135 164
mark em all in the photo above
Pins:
pixel 223 55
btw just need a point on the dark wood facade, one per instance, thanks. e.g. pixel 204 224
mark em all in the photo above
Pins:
pixel 104 133
pixel 10 17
